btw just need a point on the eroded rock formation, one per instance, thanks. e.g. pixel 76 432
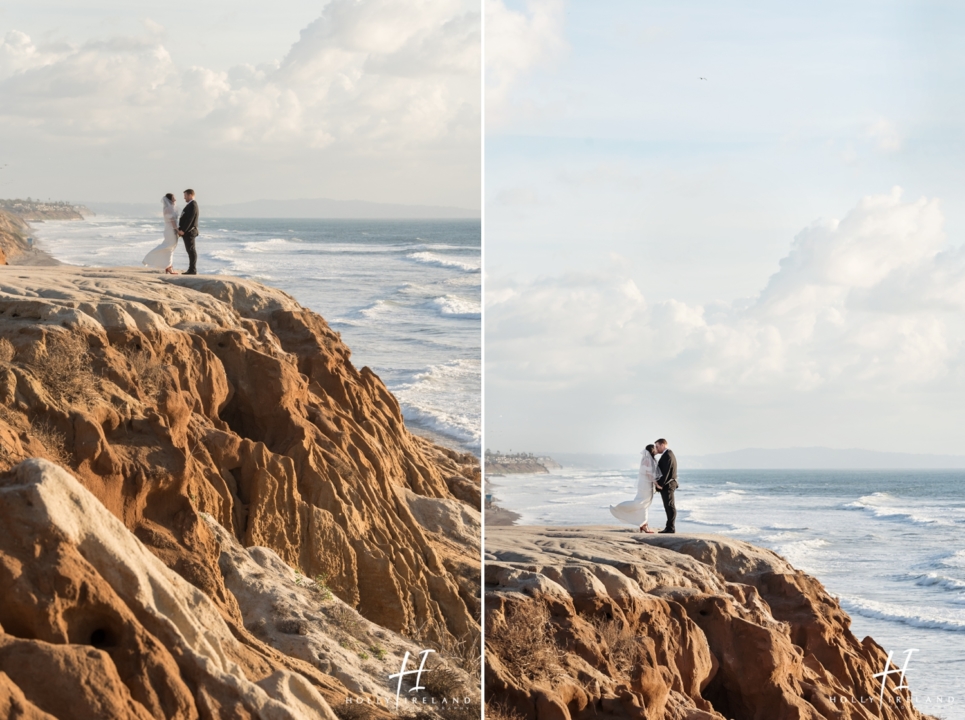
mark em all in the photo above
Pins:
pixel 13 238
pixel 94 625
pixel 173 397
pixel 602 622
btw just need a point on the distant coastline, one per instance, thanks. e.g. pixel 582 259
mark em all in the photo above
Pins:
pixel 304 208
pixel 38 211
pixel 821 458
pixel 519 463
pixel 497 465
pixel 793 458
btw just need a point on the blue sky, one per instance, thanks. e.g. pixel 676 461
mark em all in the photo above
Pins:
pixel 608 161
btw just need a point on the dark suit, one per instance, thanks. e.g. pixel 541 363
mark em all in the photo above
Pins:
pixel 188 224
pixel 668 483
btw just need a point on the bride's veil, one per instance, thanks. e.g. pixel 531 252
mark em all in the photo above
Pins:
pixel 648 466
pixel 168 208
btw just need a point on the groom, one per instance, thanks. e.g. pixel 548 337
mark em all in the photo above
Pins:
pixel 188 229
pixel 668 483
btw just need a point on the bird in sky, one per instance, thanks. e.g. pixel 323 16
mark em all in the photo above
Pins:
pixel 703 78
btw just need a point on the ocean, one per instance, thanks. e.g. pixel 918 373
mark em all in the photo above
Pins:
pixel 404 294
pixel 889 544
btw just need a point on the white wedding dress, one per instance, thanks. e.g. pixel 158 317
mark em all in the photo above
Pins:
pixel 637 510
pixel 162 257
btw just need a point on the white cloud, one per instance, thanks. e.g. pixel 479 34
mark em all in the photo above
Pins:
pixel 517 42
pixel 885 135
pixel 871 304
pixel 391 80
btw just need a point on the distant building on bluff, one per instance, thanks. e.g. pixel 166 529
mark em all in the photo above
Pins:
pixel 518 463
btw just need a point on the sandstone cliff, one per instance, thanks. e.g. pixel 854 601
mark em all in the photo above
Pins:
pixel 603 622
pixel 13 238
pixel 209 415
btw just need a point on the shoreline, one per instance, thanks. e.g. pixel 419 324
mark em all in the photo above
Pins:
pixel 16 245
pixel 494 514
pixel 439 439
pixel 35 257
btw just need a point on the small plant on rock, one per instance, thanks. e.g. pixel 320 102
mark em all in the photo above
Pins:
pixel 53 441
pixel 322 589
pixel 524 641
pixel 66 370
pixel 147 371
pixel 495 711
pixel 347 711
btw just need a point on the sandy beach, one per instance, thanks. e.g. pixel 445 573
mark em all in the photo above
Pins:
pixel 494 515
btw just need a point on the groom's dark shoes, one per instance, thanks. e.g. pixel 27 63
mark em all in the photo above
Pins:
pixel 667 532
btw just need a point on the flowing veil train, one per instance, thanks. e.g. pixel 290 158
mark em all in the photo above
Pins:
pixel 636 511
pixel 162 257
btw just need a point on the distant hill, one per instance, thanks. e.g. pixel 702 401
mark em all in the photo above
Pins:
pixel 818 458
pixel 812 458
pixel 316 208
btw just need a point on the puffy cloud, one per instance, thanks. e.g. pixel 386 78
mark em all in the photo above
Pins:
pixel 376 78
pixel 885 135
pixel 867 305
pixel 517 42
pixel 91 92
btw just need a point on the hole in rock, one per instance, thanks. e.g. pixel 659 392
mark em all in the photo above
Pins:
pixel 723 693
pixel 101 638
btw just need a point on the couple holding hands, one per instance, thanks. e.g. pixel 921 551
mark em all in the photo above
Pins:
pixel 185 226
pixel 658 471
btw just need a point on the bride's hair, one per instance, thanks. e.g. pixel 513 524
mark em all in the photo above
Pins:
pixel 650 448
pixel 170 196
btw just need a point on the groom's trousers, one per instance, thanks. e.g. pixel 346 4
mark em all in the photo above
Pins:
pixel 192 252
pixel 666 494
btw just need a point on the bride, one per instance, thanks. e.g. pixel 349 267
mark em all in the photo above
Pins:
pixel 162 257
pixel 636 511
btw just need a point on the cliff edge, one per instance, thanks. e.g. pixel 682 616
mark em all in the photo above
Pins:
pixel 226 430
pixel 591 622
